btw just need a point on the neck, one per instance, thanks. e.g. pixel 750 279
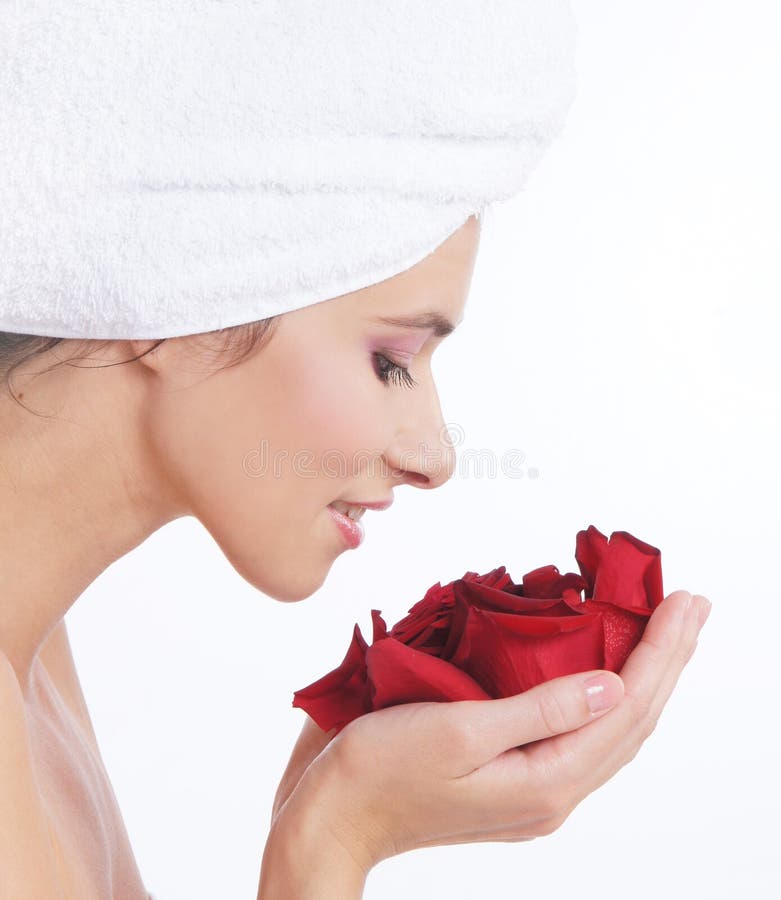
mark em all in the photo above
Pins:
pixel 75 496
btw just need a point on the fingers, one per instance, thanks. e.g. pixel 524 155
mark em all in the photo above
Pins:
pixel 563 704
pixel 550 777
pixel 455 769
pixel 695 619
pixel 589 757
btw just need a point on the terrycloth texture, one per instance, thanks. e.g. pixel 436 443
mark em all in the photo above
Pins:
pixel 172 167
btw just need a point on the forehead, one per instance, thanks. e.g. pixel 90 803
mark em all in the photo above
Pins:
pixel 429 295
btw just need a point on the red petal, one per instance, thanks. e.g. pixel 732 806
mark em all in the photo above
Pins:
pixel 501 601
pixel 424 621
pixel 485 597
pixel 623 630
pixel 427 623
pixel 498 578
pixel 379 628
pixel 548 582
pixel 341 695
pixel 629 575
pixel 590 547
pixel 399 674
pixel 508 654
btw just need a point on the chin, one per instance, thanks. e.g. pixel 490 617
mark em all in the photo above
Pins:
pixel 286 587
pixel 282 566
pixel 288 593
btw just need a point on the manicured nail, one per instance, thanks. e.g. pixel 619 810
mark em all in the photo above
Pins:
pixel 705 607
pixel 602 692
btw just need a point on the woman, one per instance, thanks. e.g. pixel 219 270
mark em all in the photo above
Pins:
pixel 177 204
pixel 98 447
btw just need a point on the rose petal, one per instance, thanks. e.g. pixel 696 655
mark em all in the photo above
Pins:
pixel 484 636
pixel 548 582
pixel 651 571
pixel 498 578
pixel 342 694
pixel 590 548
pixel 426 621
pixel 623 630
pixel 379 628
pixel 508 654
pixel 624 571
pixel 502 601
pixel 399 674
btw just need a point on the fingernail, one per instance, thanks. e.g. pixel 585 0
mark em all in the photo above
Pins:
pixel 602 692
pixel 705 607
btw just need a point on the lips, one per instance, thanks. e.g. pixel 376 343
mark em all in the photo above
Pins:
pixel 351 529
pixel 369 504
pixel 352 511
pixel 347 515
pixel 378 504
pixel 355 508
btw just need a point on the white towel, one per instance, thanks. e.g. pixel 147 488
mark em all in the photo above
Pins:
pixel 172 167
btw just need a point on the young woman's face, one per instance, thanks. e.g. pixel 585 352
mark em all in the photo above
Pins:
pixel 258 451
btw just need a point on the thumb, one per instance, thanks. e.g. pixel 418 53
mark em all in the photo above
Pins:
pixel 556 706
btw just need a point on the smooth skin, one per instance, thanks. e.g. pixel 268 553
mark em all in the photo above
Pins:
pixel 120 451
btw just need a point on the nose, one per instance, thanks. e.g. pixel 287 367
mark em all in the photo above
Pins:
pixel 422 452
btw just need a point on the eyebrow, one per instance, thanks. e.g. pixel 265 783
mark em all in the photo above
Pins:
pixel 441 325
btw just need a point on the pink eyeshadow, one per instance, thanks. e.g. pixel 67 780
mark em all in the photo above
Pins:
pixel 408 344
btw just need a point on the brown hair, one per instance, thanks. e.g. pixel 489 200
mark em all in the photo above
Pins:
pixel 237 341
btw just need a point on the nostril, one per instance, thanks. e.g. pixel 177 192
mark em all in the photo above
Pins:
pixel 409 476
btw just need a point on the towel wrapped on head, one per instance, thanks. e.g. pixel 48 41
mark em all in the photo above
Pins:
pixel 168 168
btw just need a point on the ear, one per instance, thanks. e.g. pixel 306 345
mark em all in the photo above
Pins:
pixel 168 358
pixel 152 354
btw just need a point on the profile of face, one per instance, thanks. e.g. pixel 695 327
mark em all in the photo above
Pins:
pixel 323 411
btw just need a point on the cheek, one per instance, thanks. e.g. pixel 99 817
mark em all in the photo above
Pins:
pixel 205 435
pixel 230 446
pixel 333 411
pixel 281 434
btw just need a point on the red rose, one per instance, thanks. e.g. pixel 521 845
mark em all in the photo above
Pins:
pixel 483 636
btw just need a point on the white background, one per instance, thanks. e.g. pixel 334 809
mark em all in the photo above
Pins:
pixel 623 332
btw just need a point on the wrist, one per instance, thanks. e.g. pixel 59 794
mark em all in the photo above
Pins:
pixel 304 860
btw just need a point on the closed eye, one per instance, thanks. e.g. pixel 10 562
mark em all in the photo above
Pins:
pixel 388 371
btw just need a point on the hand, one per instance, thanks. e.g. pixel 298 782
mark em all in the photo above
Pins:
pixel 426 774
pixel 311 741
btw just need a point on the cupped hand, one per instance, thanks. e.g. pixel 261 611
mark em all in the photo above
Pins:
pixel 512 769
pixel 311 742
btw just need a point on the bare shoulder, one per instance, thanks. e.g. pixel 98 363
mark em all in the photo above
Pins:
pixel 11 700
pixel 15 759
pixel 57 657
pixel 16 769
pixel 55 652
pixel 27 858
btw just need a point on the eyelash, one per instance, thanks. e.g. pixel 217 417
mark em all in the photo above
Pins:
pixel 394 372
